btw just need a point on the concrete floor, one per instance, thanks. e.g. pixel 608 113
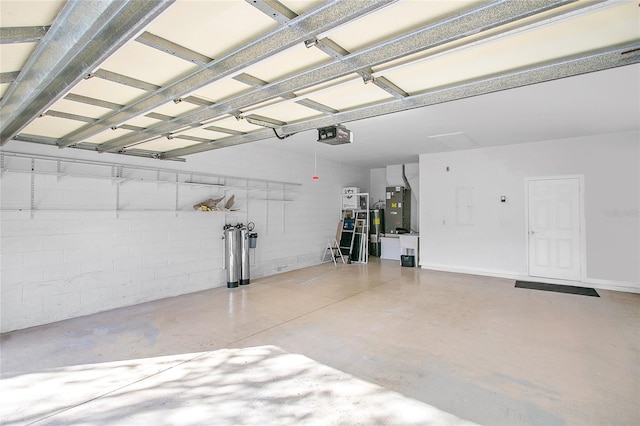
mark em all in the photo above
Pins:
pixel 346 344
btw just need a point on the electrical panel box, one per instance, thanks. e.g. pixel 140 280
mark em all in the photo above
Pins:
pixel 349 198
pixel 397 214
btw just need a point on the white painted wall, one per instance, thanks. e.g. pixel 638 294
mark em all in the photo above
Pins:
pixel 67 263
pixel 377 183
pixel 496 242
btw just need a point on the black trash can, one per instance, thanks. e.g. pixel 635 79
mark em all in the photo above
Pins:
pixel 408 260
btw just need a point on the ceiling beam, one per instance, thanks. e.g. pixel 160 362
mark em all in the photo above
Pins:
pixel 482 18
pixel 274 9
pixel 330 47
pixel 83 35
pixel 304 27
pixel 68 116
pixel 224 130
pixel 317 106
pixel 197 101
pixel 386 84
pixel 115 77
pixel 130 127
pixel 562 68
pixel 92 101
pixel 173 49
pixel 22 34
pixel 9 77
pixel 261 120
pixel 191 138
pixel 257 83
pixel 336 51
pixel 250 80
pixel 158 116
pixel 43 140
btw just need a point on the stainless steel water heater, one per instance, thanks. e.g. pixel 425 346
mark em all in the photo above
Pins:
pixel 244 255
pixel 232 253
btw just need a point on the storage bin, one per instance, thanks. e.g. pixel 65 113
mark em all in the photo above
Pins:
pixel 408 260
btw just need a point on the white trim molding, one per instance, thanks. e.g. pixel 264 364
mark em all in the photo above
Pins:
pixel 628 287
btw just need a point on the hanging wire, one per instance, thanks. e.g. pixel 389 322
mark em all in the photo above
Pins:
pixel 315 163
pixel 284 136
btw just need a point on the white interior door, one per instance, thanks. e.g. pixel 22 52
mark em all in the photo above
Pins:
pixel 554 228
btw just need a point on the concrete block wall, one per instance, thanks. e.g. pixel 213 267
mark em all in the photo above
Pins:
pixel 66 264
pixel 78 256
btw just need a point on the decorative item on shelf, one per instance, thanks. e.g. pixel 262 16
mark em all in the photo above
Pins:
pixel 213 204
pixel 208 205
pixel 230 203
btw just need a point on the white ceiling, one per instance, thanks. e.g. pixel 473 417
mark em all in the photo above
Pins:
pixel 169 79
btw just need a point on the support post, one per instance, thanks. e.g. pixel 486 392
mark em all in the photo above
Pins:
pixel 33 187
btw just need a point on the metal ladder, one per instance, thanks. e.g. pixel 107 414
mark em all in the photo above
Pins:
pixel 348 233
pixel 333 247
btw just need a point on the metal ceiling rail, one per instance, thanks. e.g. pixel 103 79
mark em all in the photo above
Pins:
pixel 224 130
pixel 69 116
pixel 566 67
pixel 317 106
pixel 385 84
pixel 9 77
pixel 191 138
pixel 274 9
pixel 296 31
pixel 172 48
pixel 115 77
pixel 480 19
pixel 158 116
pixel 84 34
pixel 45 140
pixel 335 50
pixel 250 80
pixel 92 101
pixel 22 34
pixel 197 101
pixel 257 83
pixel 128 127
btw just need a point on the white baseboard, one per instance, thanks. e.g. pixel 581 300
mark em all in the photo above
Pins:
pixel 628 287
pixel 624 286
pixel 473 271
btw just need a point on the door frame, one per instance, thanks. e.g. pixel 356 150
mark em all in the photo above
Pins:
pixel 583 235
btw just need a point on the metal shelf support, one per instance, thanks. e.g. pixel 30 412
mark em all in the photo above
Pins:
pixel 33 188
